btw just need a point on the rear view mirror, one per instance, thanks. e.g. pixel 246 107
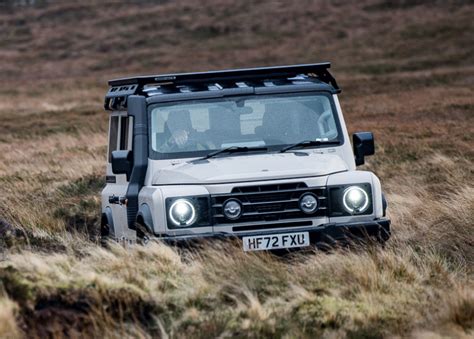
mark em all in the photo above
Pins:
pixel 363 143
pixel 244 110
pixel 122 162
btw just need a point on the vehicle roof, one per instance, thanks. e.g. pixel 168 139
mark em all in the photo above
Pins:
pixel 171 87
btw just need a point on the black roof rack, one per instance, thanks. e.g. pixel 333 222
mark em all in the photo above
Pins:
pixel 120 89
pixel 320 70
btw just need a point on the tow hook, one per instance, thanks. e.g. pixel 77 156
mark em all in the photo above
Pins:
pixel 113 199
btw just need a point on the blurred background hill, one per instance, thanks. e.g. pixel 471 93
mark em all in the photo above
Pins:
pixel 406 69
pixel 62 39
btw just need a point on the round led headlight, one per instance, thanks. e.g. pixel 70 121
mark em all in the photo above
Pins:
pixel 232 209
pixel 355 199
pixel 182 213
pixel 308 203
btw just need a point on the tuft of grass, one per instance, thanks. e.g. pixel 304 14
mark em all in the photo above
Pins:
pixel 8 318
pixel 154 290
pixel 80 207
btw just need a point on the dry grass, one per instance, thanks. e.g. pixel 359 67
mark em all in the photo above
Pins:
pixel 8 315
pixel 157 291
pixel 407 73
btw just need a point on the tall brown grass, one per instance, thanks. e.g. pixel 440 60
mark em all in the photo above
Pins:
pixel 413 285
pixel 8 314
pixel 407 75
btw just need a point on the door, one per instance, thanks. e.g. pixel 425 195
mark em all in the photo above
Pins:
pixel 120 138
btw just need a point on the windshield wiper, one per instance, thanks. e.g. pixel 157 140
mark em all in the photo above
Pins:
pixel 309 143
pixel 232 149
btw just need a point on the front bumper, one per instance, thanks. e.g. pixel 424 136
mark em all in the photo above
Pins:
pixel 323 234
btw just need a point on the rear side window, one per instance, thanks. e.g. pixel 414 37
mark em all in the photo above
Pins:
pixel 119 134
pixel 113 134
pixel 124 132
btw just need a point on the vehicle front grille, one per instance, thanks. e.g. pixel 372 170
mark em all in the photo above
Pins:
pixel 266 203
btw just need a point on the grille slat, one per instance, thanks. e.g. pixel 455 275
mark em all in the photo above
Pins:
pixel 265 192
pixel 261 202
pixel 271 212
pixel 268 202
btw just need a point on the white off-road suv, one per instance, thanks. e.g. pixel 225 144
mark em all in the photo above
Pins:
pixel 262 155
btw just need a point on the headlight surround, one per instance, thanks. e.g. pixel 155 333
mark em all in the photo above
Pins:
pixel 351 199
pixel 182 213
pixel 188 211
pixel 355 200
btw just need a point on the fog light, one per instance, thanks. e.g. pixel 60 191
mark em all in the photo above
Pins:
pixel 355 200
pixel 182 213
pixel 308 203
pixel 232 209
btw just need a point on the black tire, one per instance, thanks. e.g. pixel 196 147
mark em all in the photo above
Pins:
pixel 143 235
pixel 383 236
pixel 384 205
pixel 107 234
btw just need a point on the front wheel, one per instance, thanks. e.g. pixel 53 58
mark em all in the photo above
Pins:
pixel 143 235
pixel 107 234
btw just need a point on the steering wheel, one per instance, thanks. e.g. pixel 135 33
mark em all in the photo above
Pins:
pixel 191 144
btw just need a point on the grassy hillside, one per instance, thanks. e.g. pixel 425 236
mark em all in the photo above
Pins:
pixel 407 73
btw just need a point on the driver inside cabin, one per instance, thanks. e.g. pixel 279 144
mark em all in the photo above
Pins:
pixel 179 133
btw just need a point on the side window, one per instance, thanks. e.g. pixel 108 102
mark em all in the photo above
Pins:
pixel 113 134
pixel 119 134
pixel 125 126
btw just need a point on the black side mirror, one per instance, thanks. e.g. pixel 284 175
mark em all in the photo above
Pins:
pixel 363 143
pixel 122 162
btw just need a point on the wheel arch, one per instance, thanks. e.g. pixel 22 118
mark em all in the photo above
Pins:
pixel 144 217
pixel 106 221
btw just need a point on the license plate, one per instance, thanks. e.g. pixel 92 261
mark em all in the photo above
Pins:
pixel 276 241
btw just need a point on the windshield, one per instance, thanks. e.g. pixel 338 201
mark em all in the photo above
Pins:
pixel 195 128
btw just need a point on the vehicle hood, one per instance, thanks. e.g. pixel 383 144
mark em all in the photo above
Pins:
pixel 250 168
